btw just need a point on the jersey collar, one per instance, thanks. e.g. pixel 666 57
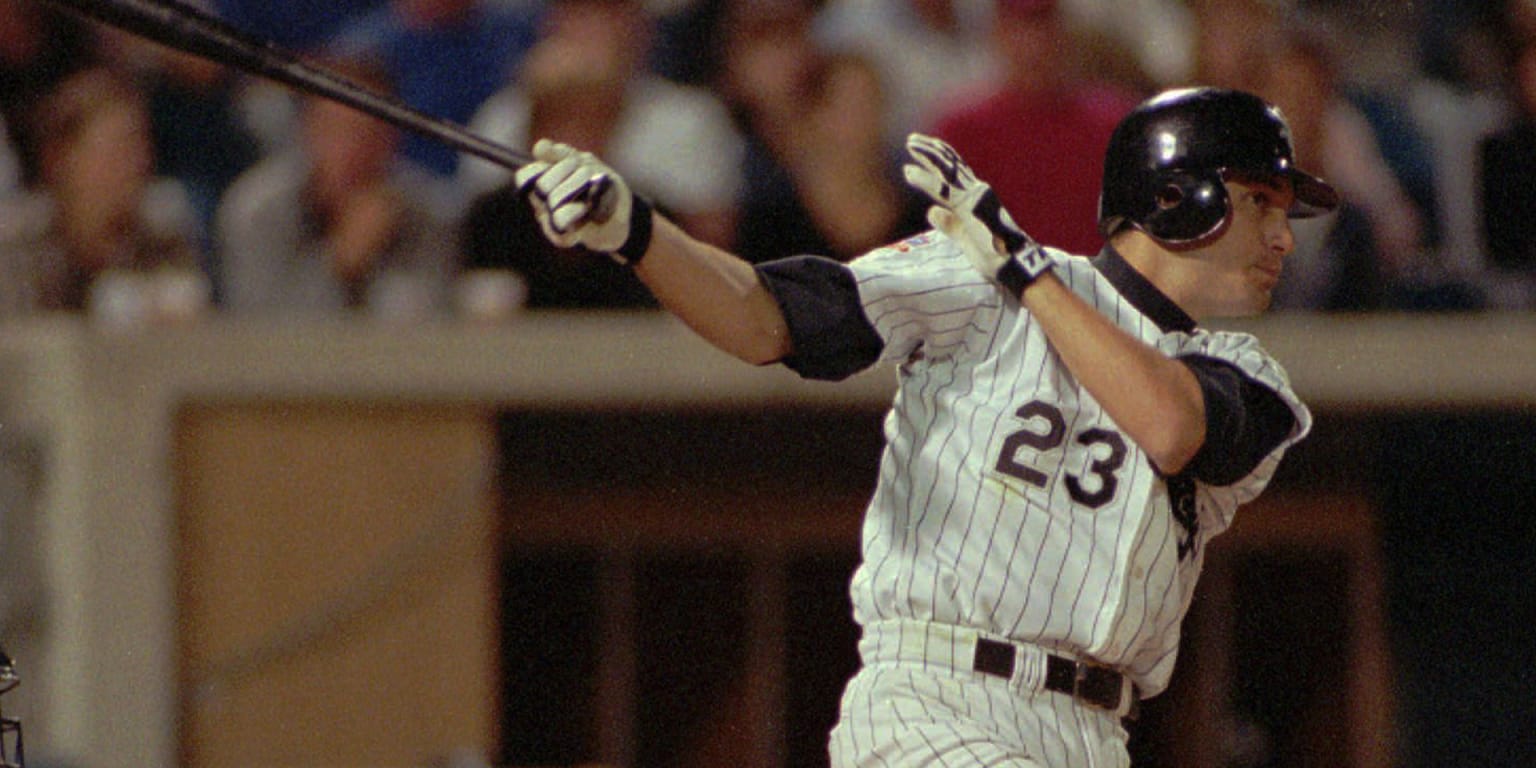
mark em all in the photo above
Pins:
pixel 1141 292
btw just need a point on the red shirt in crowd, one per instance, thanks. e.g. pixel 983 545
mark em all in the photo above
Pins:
pixel 1044 154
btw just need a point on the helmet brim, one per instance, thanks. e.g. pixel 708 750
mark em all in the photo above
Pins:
pixel 1314 197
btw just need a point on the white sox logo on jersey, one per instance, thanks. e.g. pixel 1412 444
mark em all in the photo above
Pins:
pixel 1181 497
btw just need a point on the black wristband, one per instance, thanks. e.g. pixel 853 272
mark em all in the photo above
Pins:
pixel 1023 268
pixel 634 247
pixel 1013 277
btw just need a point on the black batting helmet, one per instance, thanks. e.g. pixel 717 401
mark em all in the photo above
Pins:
pixel 1163 172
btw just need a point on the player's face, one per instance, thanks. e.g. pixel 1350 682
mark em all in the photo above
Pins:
pixel 1245 262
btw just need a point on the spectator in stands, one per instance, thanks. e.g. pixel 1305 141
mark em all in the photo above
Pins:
pixel 39 46
pixel 97 220
pixel 200 134
pixel 586 83
pixel 687 46
pixel 822 174
pixel 832 184
pixel 1227 35
pixel 1507 183
pixel 446 57
pixel 10 163
pixel 844 167
pixel 926 52
pixel 1038 137
pixel 304 25
pixel 339 222
pixel 1145 44
pixel 1370 253
pixel 1461 98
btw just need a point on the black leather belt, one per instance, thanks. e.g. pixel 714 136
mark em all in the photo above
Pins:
pixel 1099 686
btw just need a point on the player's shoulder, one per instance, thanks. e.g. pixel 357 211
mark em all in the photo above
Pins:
pixel 928 249
pixel 931 247
pixel 1070 266
pixel 926 264
pixel 1244 352
pixel 1240 349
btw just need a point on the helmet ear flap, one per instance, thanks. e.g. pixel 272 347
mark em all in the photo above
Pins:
pixel 1187 207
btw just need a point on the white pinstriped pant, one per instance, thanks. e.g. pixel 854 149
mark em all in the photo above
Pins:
pixel 917 703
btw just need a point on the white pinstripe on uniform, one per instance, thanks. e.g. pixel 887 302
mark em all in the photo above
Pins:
pixel 1009 502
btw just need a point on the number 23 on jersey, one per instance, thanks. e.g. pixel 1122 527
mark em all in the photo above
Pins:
pixel 1040 448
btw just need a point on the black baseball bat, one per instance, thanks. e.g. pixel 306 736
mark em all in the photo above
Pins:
pixel 189 29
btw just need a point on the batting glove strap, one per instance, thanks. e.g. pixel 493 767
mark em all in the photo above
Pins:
pixel 1023 267
pixel 641 219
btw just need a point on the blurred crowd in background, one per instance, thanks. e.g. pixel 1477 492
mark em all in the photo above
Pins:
pixel 137 182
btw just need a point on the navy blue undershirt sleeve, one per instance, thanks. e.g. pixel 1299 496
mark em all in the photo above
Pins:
pixel 831 337
pixel 1244 422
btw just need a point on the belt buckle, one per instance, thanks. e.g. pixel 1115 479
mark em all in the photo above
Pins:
pixel 1080 672
pixel 1097 696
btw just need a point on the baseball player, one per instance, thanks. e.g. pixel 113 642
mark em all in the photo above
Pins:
pixel 1064 439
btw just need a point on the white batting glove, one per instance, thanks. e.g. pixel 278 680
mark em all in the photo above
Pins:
pixel 579 201
pixel 967 211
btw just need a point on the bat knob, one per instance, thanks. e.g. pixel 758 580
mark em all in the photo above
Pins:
pixel 602 198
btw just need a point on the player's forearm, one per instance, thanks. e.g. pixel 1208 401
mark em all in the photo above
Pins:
pixel 715 293
pixel 1155 399
pixel 578 200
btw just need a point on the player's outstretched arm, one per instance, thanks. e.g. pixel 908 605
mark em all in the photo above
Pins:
pixel 580 201
pixel 1155 399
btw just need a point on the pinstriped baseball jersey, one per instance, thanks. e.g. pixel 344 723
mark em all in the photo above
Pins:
pixel 1008 500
